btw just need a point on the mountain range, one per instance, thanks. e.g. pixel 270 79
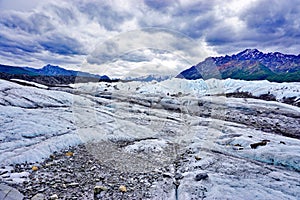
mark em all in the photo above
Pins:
pixel 49 75
pixel 149 78
pixel 250 64
pixel 48 70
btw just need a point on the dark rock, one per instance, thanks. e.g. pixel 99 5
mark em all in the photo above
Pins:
pixel 201 176
pixel 198 158
pixel 237 145
pixel 262 143
pixel 167 175
pixel 266 141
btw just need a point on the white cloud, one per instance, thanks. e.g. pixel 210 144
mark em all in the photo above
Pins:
pixel 152 50
pixel 149 38
pixel 147 61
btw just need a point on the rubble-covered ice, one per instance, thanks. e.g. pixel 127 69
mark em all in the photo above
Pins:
pixel 249 148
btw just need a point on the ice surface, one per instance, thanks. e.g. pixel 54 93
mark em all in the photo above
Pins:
pixel 160 121
pixel 213 86
pixel 29 83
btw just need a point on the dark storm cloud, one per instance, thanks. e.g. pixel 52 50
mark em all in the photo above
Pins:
pixel 62 45
pixel 276 18
pixel 19 47
pixel 197 8
pixel 221 36
pixel 197 27
pixel 269 24
pixel 192 20
pixel 14 22
pixel 34 26
pixel 104 14
pixel 160 5
pixel 36 32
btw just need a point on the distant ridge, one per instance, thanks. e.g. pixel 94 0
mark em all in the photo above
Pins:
pixel 49 75
pixel 250 64
pixel 149 78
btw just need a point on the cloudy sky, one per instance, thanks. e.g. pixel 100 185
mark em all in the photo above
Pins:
pixel 134 37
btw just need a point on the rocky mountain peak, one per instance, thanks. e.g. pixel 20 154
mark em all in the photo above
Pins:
pixel 249 54
pixel 250 64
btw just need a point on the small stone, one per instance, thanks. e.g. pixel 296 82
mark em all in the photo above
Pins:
pixel 262 143
pixel 5 176
pixel 42 190
pixel 3 172
pixel 93 168
pixel 34 168
pixel 48 164
pixel 237 145
pixel 167 175
pixel 69 153
pixel 122 188
pixel 98 189
pixel 198 158
pixel 201 176
pixel 281 142
pixel 52 183
pixel 54 197
pixel 73 184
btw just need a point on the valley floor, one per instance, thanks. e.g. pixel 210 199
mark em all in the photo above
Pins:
pixel 169 140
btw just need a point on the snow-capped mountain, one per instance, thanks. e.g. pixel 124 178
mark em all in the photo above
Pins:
pixel 250 64
pixel 148 78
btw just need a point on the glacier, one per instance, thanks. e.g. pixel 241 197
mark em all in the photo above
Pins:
pixel 159 121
